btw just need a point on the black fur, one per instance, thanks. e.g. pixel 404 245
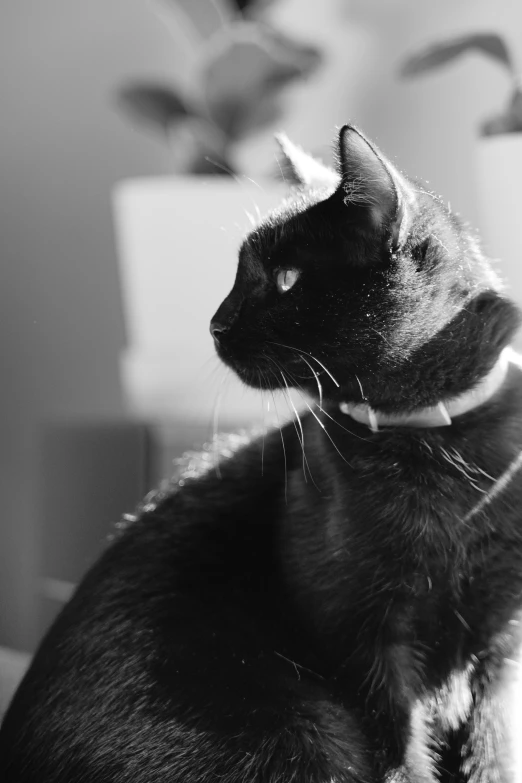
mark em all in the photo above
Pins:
pixel 343 616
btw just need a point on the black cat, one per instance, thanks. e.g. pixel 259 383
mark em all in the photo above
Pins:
pixel 351 612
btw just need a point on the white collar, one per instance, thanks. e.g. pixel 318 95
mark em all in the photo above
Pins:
pixel 439 415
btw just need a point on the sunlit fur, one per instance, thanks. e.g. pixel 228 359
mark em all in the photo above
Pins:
pixel 333 605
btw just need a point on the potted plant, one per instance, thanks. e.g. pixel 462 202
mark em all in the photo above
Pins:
pixel 178 235
pixel 499 148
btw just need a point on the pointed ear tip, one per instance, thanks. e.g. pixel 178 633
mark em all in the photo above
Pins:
pixel 350 127
pixel 282 139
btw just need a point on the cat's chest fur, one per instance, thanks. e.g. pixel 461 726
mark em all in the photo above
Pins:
pixel 387 560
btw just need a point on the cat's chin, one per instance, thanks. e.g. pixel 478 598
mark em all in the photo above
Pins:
pixel 254 377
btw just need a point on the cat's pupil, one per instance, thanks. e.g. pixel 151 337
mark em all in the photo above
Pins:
pixel 286 278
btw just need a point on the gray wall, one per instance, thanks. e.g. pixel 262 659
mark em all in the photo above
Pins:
pixel 62 146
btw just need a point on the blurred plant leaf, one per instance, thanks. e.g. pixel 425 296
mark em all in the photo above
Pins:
pixel 251 8
pixel 245 72
pixel 234 71
pixel 242 5
pixel 153 105
pixel 509 121
pixel 441 53
pixel 205 16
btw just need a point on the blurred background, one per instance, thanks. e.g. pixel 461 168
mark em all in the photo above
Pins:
pixel 114 257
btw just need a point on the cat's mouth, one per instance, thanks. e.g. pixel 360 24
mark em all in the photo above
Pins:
pixel 258 370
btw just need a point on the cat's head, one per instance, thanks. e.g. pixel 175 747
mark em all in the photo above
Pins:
pixel 365 280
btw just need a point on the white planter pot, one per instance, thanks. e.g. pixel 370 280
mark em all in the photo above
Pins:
pixel 499 164
pixel 177 244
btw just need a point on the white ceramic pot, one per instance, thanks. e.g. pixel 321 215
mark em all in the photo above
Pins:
pixel 178 239
pixel 499 165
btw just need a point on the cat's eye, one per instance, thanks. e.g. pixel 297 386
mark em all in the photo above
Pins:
pixel 286 278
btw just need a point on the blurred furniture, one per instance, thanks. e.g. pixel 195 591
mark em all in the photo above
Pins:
pixel 178 240
pixel 89 474
pixel 13 665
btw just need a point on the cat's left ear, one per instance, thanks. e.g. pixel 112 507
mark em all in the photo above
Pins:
pixel 368 179
pixel 299 168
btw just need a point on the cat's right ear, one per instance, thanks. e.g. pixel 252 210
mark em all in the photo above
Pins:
pixel 299 168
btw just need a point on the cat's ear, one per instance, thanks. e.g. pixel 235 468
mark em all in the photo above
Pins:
pixel 369 180
pixel 299 168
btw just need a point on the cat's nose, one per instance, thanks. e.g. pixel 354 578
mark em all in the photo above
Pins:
pixel 217 330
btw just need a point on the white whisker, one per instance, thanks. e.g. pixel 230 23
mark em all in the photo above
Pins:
pixel 280 169
pixel 459 465
pixel 299 350
pixel 318 382
pixel 326 432
pixel 250 217
pixel 283 444
pixel 354 434
pixel 302 392
pixel 215 419
pixel 301 439
pixel 360 387
pixel 264 426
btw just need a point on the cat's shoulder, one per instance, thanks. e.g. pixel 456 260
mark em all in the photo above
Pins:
pixel 232 467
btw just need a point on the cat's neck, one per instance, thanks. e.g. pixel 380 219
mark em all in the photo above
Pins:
pixel 441 414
